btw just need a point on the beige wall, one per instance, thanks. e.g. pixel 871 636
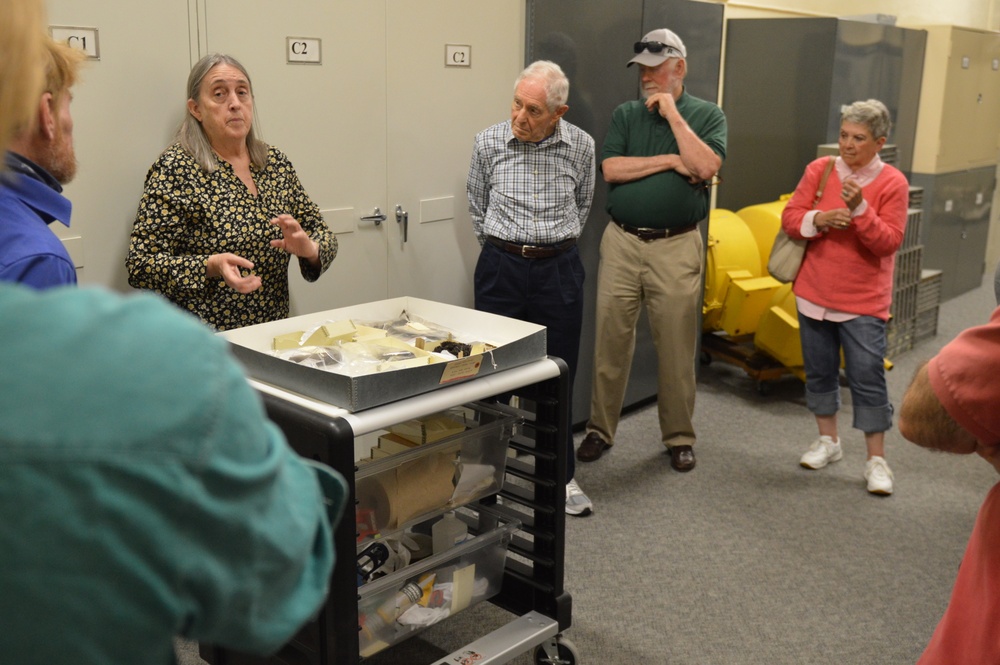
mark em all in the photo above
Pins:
pixel 983 14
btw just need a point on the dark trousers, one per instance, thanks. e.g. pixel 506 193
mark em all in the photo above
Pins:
pixel 547 292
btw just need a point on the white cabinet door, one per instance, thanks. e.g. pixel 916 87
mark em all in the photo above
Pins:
pixel 126 108
pixel 434 112
pixel 329 118
pixel 379 122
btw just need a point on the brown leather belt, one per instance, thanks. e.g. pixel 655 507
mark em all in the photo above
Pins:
pixel 654 234
pixel 532 251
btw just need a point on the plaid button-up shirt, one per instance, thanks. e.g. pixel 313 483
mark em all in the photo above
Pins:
pixel 531 193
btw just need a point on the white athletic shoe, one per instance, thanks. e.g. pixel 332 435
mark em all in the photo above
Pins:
pixel 879 476
pixel 577 503
pixel 822 451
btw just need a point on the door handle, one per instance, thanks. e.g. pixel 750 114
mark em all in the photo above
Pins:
pixel 402 217
pixel 377 216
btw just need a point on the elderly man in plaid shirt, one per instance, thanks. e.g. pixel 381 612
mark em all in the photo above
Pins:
pixel 530 187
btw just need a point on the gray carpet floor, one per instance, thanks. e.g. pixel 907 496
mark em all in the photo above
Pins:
pixel 750 558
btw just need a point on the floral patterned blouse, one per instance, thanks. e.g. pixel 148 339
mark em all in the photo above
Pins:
pixel 185 215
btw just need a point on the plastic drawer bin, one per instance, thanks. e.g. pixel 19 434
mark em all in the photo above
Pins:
pixel 447 583
pixel 412 486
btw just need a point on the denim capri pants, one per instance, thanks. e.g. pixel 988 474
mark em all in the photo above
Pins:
pixel 863 341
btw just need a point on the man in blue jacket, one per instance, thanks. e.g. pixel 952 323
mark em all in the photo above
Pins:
pixel 39 162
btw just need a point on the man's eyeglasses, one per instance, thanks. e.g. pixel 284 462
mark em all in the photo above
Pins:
pixel 654 47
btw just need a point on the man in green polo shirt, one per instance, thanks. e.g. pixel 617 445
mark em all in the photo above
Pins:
pixel 660 156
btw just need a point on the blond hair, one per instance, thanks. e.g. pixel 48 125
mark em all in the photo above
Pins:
pixel 22 40
pixel 62 68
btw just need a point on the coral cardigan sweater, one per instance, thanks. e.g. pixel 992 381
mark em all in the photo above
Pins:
pixel 851 269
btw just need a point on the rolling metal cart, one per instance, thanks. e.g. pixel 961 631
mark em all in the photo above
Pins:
pixel 533 493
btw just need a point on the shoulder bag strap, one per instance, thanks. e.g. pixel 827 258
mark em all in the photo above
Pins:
pixel 822 181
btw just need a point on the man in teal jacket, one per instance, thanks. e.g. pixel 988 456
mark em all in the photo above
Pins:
pixel 143 493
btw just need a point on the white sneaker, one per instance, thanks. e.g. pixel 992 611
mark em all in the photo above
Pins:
pixel 879 476
pixel 577 503
pixel 822 451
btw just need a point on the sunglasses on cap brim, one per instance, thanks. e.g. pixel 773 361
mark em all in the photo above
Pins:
pixel 654 47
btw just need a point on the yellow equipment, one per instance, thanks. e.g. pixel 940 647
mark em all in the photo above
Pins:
pixel 778 330
pixel 764 220
pixel 749 318
pixel 732 270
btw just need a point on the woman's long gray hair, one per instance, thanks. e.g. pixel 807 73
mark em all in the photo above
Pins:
pixel 191 135
pixel 872 113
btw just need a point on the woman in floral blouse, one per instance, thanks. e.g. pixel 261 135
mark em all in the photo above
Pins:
pixel 222 211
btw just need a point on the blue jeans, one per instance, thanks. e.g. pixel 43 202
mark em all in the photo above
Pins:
pixel 863 342
pixel 547 292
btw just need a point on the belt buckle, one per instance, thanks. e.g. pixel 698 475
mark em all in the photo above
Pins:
pixel 524 251
pixel 646 233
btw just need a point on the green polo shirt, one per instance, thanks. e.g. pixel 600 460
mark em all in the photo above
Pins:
pixel 665 199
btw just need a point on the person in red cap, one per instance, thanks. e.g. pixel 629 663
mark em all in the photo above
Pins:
pixel 951 405
pixel 660 156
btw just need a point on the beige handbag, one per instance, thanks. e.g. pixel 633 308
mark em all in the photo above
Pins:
pixel 786 254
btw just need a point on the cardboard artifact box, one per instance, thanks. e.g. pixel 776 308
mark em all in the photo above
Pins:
pixel 515 343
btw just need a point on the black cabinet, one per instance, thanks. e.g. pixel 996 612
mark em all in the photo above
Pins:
pixel 956 225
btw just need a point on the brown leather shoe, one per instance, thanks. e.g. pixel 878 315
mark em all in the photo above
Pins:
pixel 591 448
pixel 682 458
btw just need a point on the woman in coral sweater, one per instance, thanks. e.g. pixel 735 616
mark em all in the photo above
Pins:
pixel 854 223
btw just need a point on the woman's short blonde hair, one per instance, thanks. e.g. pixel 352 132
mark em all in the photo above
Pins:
pixel 22 40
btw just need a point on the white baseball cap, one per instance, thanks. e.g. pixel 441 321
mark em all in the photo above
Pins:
pixel 657 47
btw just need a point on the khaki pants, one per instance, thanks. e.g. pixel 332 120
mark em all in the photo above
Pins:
pixel 664 274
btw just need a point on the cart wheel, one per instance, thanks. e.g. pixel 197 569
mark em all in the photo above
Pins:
pixel 706 358
pixel 565 653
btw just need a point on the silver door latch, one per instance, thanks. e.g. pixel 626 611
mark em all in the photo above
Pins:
pixel 377 216
pixel 402 217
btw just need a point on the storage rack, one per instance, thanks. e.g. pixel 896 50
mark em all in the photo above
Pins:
pixel 928 305
pixel 901 330
pixel 533 492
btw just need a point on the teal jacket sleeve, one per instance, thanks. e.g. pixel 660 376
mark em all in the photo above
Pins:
pixel 143 492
